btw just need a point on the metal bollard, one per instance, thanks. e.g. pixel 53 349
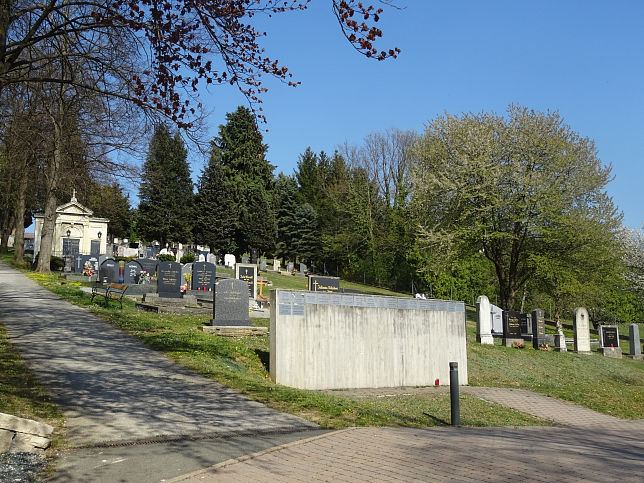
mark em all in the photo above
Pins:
pixel 453 392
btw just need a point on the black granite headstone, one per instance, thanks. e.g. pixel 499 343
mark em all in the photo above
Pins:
pixel 169 280
pixel 538 328
pixel 511 324
pixel 203 276
pixel 109 271
pixel 248 274
pixel 609 337
pixel 132 272
pixel 78 263
pixel 319 283
pixel 231 303
pixel 526 328
pixel 149 265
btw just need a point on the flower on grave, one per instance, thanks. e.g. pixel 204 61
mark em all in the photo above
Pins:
pixel 518 345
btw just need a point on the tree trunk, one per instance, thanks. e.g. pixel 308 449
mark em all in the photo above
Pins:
pixel 19 215
pixel 49 219
pixel 7 227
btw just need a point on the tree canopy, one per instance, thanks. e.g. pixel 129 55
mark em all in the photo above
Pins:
pixel 523 189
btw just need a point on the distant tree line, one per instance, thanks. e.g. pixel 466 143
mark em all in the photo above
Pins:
pixel 513 206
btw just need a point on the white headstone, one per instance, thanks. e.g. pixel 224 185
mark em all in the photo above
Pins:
pixel 211 258
pixel 581 327
pixel 202 258
pixel 483 321
pixel 229 260
pixel 277 265
pixel 497 319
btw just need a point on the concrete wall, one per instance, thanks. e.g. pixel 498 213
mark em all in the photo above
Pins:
pixel 335 341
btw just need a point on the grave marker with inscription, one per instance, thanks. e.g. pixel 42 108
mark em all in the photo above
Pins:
pixel 511 328
pixel 230 306
pixel 203 276
pixel 319 283
pixel 609 341
pixel 581 328
pixel 149 265
pixel 635 351
pixel 483 321
pixel 169 280
pixel 538 328
pixel 132 272
pixel 248 273
pixel 109 271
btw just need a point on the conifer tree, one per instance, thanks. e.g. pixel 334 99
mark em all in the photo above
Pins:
pixel 165 210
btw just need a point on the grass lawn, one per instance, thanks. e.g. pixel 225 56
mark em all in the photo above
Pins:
pixel 607 385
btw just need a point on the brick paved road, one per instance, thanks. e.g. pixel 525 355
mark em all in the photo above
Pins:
pixel 445 454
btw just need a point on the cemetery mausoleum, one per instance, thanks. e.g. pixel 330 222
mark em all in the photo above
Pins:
pixel 77 231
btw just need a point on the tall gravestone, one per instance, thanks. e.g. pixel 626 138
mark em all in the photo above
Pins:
pixel 149 265
pixel 581 328
pixel 203 276
pixel 484 320
pixel 132 272
pixel 262 265
pixel 277 265
pixel 635 350
pixel 169 280
pixel 230 305
pixel 211 258
pixel 78 263
pixel 290 267
pixel 511 328
pixel 319 283
pixel 538 328
pixel 526 326
pixel 248 273
pixel 497 319
pixel 108 271
pixel 609 341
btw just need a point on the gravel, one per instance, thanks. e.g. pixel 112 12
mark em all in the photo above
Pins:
pixel 21 467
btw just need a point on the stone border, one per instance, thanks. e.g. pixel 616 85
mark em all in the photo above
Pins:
pixel 18 435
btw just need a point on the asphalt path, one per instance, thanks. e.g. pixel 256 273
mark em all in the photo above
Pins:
pixel 112 388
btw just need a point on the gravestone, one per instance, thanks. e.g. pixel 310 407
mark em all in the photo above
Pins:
pixel 94 261
pixel 186 270
pixel 245 260
pixel 211 258
pixel 319 283
pixel 121 271
pixel 277 264
pixel 231 303
pixel 203 276
pixel 201 258
pixel 303 268
pixel 132 272
pixel 248 273
pixel 483 321
pixel 149 265
pixel 108 271
pixel 511 328
pixel 635 351
pixel 581 328
pixel 538 328
pixel 497 319
pixel 290 267
pixel 609 341
pixel 79 263
pixel 526 328
pixel 262 265
pixel 229 260
pixel 169 280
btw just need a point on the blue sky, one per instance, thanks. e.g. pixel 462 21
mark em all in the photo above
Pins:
pixel 582 58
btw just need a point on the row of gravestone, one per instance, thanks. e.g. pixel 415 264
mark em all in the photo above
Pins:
pixel 516 325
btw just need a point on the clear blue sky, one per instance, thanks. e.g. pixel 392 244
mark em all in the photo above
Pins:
pixel 583 58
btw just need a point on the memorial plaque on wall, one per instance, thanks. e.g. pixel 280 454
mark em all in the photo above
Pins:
pixel 247 273
pixel 169 280
pixel 319 283
pixel 511 324
pixel 203 276
pixel 132 272
pixel 610 337
pixel 109 271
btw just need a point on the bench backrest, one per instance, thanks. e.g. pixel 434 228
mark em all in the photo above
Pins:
pixel 118 286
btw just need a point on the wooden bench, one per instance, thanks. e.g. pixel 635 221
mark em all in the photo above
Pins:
pixel 114 291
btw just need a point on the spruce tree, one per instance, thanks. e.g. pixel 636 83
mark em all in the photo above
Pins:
pixel 165 210
pixel 242 153
pixel 286 200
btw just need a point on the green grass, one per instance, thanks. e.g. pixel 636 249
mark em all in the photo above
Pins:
pixel 607 385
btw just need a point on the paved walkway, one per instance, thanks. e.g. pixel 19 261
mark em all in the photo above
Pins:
pixel 114 389
pixel 110 386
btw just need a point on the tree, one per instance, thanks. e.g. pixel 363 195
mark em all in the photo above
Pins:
pixel 240 151
pixel 180 44
pixel 108 201
pixel 286 202
pixel 165 210
pixel 215 214
pixel 525 190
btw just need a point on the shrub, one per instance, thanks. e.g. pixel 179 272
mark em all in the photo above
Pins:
pixel 166 257
pixel 188 258
pixel 56 264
